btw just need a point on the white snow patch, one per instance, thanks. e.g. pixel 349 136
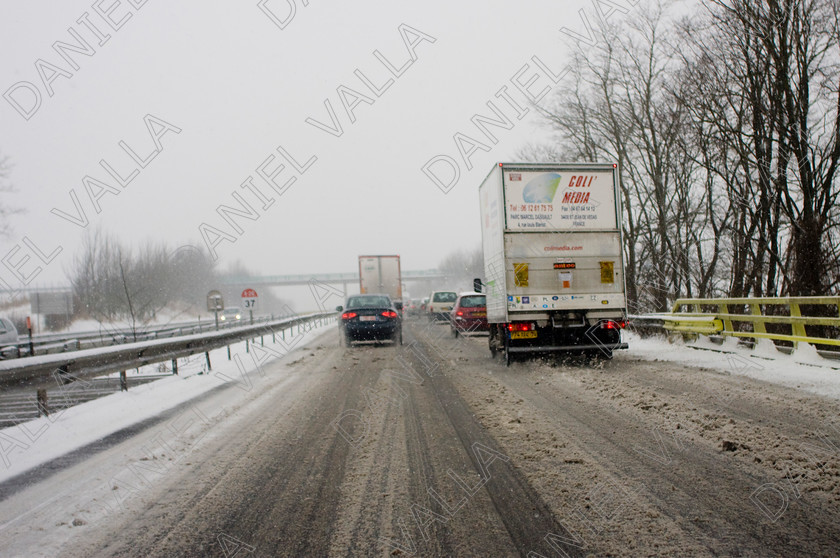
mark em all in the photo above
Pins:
pixel 805 369
pixel 33 443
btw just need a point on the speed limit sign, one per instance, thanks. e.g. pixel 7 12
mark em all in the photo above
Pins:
pixel 249 299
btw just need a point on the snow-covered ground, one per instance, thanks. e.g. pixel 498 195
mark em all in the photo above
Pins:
pixel 804 369
pixel 30 444
pixel 20 309
pixel 162 319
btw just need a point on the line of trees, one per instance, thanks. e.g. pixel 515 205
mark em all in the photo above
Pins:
pixel 460 268
pixel 113 282
pixel 726 129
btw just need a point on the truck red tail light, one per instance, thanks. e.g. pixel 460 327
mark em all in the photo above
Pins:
pixel 459 313
pixel 522 326
pixel 610 324
pixel 348 315
pixel 389 314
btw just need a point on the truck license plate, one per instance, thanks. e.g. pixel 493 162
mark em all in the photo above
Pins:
pixel 479 314
pixel 523 335
pixel 367 318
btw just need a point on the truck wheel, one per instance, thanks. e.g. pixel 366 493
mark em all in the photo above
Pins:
pixel 507 350
pixel 454 331
pixel 492 342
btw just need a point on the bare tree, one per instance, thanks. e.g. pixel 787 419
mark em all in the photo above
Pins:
pixel 765 78
pixel 462 266
pixel 113 283
pixel 620 105
pixel 539 153
pixel 6 187
pixel 726 129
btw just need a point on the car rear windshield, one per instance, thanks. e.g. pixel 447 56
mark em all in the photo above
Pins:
pixel 369 301
pixel 444 297
pixel 473 302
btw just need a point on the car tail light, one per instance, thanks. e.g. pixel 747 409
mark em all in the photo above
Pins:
pixel 348 315
pixel 610 324
pixel 522 326
pixel 389 314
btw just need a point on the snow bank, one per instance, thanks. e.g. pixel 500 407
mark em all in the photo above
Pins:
pixel 804 369
pixel 33 443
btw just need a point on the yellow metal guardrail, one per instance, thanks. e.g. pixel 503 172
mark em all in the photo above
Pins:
pixel 722 321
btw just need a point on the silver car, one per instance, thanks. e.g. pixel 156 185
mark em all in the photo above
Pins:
pixel 8 332
pixel 8 339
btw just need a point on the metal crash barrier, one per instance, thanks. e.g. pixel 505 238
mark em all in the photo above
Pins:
pixel 749 317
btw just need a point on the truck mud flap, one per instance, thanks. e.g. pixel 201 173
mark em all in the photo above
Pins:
pixel 548 348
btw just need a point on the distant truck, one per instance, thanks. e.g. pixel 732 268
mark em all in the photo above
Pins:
pixel 554 272
pixel 381 275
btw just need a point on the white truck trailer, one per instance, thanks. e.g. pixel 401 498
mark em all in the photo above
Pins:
pixel 553 265
pixel 381 275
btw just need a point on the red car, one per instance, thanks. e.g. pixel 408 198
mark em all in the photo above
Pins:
pixel 469 314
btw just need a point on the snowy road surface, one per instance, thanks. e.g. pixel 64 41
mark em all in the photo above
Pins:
pixel 435 449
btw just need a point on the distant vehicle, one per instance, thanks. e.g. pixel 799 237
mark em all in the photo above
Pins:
pixel 414 307
pixel 424 303
pixel 440 305
pixel 469 314
pixel 381 274
pixel 369 317
pixel 8 339
pixel 8 332
pixel 551 236
pixel 231 314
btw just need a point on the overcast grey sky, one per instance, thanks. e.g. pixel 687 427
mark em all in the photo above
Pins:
pixel 195 105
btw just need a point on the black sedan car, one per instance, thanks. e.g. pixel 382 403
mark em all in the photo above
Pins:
pixel 369 317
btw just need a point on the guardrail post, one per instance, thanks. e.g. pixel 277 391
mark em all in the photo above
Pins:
pixel 43 407
pixel 207 357
pixel 247 347
pixel 723 309
pixel 64 374
pixel 273 336
pixel 796 327
pixel 758 326
pixel 175 366
pixel 123 381
pixel 228 348
pixel 261 341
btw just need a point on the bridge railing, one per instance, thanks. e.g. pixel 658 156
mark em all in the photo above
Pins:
pixel 749 317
